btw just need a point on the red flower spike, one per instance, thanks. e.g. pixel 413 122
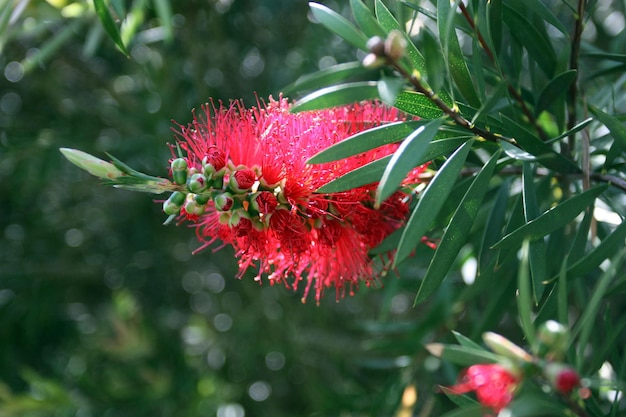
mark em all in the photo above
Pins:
pixel 296 234
pixel 493 384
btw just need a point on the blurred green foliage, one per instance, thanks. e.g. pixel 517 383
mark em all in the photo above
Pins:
pixel 104 313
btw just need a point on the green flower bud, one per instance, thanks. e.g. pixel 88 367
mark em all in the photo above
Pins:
pixel 373 61
pixel 376 45
pixel 194 208
pixel 197 183
pixel 224 201
pixel 173 204
pixel 503 346
pixel 552 340
pixel 202 199
pixel 179 170
pixel 91 164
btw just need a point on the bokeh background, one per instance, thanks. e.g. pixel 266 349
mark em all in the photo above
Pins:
pixel 104 311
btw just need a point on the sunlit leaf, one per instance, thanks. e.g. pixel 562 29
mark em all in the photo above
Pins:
pixel 366 140
pixel 339 25
pixel 551 220
pixel 457 231
pixel 452 50
pixel 430 202
pixel 109 25
pixel 417 104
pixel 337 95
pixel 366 20
pixel 615 126
pixel 327 76
pixel 403 159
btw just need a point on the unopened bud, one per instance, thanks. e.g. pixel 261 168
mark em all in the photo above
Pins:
pixel 224 201
pixel 264 202
pixel 552 340
pixel 373 61
pixel 179 170
pixel 193 208
pixel 213 161
pixel 395 45
pixel 173 204
pixel 562 377
pixel 91 164
pixel 242 180
pixel 503 346
pixel 197 183
pixel 376 45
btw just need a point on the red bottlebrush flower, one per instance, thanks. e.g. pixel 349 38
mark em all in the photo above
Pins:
pixel 291 233
pixel 493 384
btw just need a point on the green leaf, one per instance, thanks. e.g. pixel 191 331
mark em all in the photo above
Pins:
pixel 372 172
pixel 339 25
pixel 403 160
pixel 366 140
pixel 466 341
pixel 494 22
pixel 615 126
pixel 326 77
pixel 493 226
pixel 435 64
pixel 473 410
pixel 337 95
pixel 536 248
pixel 524 295
pixel 109 25
pixel 366 20
pixel 556 88
pixel 605 249
pixel 417 104
pixel 388 22
pixel 457 231
pixel 551 220
pixel 164 12
pixel 430 202
pixel 463 355
pixel 542 151
pixel 388 89
pixel 452 50
pixel 538 47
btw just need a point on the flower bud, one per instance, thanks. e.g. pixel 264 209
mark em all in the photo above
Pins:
pixel 373 61
pixel 395 45
pixel 193 208
pixel 376 45
pixel 213 161
pixel 202 199
pixel 173 204
pixel 503 346
pixel 179 170
pixel 91 164
pixel 242 180
pixel 197 183
pixel 562 377
pixel 223 201
pixel 552 340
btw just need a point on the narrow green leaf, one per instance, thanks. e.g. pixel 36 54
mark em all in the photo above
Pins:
pixel 586 321
pixel 605 249
pixel 164 12
pixel 536 248
pixel 555 89
pixel 109 25
pixel 524 295
pixel 417 104
pixel 452 50
pixel 457 231
pixel 542 151
pixel 337 95
pixel 388 89
pixel 339 25
pixel 577 128
pixel 435 64
pixel 366 20
pixel 430 202
pixel 466 341
pixel 605 55
pixel 372 172
pixel 473 410
pixel 403 160
pixel 388 22
pixel 538 47
pixel 551 220
pixel 326 77
pixel 493 227
pixel 495 98
pixel 464 402
pixel 517 153
pixel 494 22
pixel 463 355
pixel 51 46
pixel 615 126
pixel 366 140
